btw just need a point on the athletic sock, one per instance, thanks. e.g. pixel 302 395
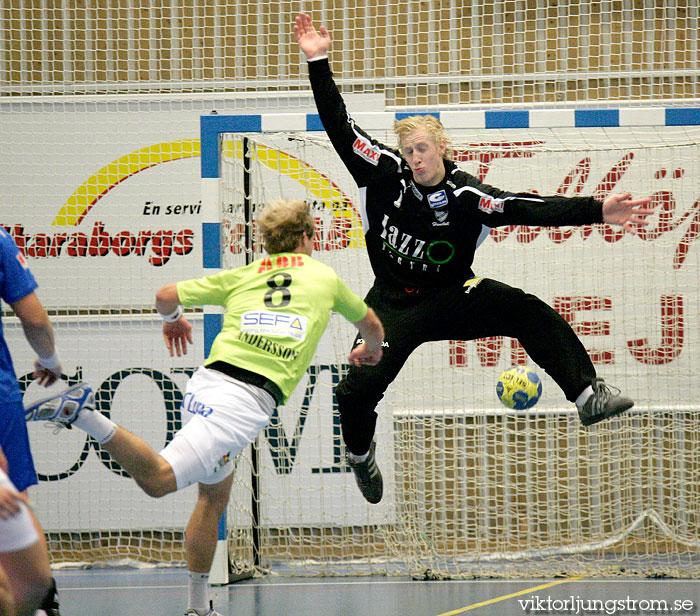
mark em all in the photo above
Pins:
pixel 583 396
pixel 98 426
pixel 198 591
pixel 355 458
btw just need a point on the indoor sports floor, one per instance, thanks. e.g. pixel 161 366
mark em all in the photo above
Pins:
pixel 163 592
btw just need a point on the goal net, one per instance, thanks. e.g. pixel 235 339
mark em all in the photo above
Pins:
pixel 484 52
pixel 471 488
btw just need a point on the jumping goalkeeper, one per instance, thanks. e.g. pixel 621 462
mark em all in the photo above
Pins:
pixel 423 220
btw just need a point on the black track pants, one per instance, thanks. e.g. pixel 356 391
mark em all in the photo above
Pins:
pixel 488 308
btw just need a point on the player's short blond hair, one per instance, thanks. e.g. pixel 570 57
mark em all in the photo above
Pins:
pixel 430 124
pixel 282 224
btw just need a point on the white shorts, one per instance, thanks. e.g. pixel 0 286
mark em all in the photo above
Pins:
pixel 18 532
pixel 220 416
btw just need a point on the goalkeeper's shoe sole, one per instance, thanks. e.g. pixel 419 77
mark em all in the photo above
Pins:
pixel 62 408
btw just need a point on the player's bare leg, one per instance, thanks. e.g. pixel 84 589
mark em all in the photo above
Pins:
pixel 200 543
pixel 49 603
pixel 29 573
pixel 203 527
pixel 76 407
pixel 152 472
pixel 7 600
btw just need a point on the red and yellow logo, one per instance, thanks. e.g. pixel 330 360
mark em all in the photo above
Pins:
pixel 161 245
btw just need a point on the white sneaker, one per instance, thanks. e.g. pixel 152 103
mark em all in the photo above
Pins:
pixel 211 612
pixel 62 408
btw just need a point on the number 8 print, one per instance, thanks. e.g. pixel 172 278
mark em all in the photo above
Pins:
pixel 274 287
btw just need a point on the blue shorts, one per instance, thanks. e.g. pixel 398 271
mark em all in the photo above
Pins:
pixel 14 440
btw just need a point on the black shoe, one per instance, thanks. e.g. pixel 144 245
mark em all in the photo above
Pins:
pixel 49 606
pixel 605 402
pixel 368 476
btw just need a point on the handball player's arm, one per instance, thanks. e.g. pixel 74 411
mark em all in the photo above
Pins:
pixel 498 208
pixel 372 332
pixel 360 153
pixel 39 334
pixel 177 330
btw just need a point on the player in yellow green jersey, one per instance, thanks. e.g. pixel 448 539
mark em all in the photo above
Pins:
pixel 277 308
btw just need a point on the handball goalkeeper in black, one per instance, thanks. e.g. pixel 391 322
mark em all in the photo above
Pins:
pixel 423 220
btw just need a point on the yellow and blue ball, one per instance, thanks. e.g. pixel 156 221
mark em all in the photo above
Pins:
pixel 519 388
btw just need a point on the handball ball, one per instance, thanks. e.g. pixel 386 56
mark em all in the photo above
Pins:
pixel 519 388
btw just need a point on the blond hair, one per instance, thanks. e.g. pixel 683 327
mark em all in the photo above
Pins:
pixel 430 124
pixel 282 224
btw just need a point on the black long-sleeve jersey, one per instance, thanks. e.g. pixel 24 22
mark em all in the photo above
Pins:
pixel 426 236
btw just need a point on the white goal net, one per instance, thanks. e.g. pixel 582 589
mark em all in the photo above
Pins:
pixel 411 52
pixel 471 488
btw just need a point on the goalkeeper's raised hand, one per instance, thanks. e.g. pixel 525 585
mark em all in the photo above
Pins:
pixel 313 44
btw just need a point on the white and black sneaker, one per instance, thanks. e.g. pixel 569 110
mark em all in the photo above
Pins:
pixel 211 612
pixel 368 476
pixel 63 408
pixel 604 403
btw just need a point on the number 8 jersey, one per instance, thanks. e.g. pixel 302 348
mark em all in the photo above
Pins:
pixel 277 309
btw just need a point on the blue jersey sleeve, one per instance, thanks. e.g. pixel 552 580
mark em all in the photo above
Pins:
pixel 16 280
